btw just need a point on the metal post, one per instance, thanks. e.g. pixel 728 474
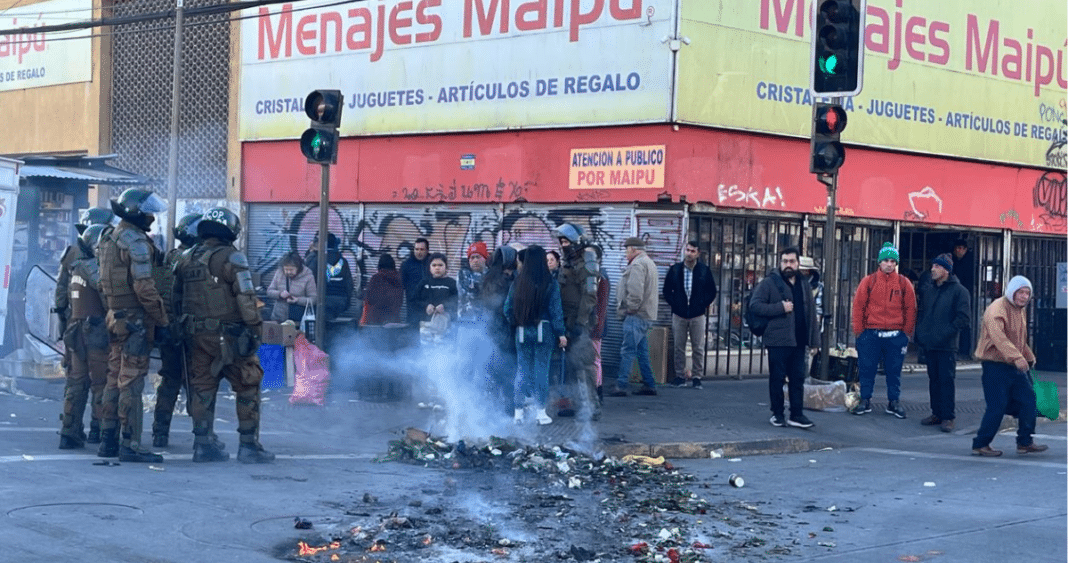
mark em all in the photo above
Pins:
pixel 176 103
pixel 830 269
pixel 320 281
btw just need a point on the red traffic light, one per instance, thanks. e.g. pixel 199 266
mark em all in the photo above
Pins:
pixel 324 107
pixel 830 119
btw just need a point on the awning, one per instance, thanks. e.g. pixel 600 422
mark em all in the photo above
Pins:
pixel 88 169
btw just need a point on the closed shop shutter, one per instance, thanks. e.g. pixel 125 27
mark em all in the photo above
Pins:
pixel 665 237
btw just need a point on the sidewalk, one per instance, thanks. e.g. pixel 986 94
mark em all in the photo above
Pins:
pixel 728 416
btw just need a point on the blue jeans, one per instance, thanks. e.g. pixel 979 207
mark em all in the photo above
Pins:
pixel 941 373
pixel 635 343
pixel 1007 391
pixel 532 368
pixel 787 362
pixel 891 351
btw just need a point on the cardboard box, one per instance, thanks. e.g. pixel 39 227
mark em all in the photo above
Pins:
pixel 279 334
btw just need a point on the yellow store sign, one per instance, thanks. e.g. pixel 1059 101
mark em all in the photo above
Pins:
pixel 983 80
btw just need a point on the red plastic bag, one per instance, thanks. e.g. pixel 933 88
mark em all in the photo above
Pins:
pixel 312 373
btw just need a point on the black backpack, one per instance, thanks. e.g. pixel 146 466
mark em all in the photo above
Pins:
pixel 758 324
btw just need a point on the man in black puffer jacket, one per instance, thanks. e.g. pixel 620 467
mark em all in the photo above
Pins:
pixel 943 314
pixel 689 288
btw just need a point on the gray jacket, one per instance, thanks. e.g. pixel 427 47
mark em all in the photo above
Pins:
pixel 637 291
pixel 767 301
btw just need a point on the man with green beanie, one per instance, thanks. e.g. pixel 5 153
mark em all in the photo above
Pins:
pixel 884 318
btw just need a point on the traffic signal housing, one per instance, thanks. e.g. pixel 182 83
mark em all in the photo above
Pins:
pixel 838 47
pixel 319 143
pixel 828 154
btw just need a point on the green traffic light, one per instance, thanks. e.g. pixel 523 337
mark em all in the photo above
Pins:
pixel 829 64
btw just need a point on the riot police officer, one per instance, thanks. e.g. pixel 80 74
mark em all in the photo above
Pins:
pixel 216 304
pixel 579 274
pixel 172 356
pixel 86 341
pixel 136 317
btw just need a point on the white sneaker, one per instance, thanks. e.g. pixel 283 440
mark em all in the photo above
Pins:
pixel 518 416
pixel 543 418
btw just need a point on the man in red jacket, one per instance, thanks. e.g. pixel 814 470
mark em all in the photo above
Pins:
pixel 884 317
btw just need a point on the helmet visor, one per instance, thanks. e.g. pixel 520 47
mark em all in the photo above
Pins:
pixel 153 204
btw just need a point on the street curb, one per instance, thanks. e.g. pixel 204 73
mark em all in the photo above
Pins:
pixel 40 388
pixel 703 450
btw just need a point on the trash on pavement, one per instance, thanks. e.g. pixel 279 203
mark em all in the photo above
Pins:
pixel 736 481
pixel 301 524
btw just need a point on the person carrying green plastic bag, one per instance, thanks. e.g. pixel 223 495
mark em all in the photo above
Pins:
pixel 1006 360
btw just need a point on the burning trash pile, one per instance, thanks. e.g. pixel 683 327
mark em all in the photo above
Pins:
pixel 506 501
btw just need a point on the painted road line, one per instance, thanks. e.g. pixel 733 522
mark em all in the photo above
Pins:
pixel 966 456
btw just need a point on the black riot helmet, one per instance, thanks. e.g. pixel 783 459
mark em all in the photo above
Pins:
pixel 94 216
pixel 573 233
pixel 138 206
pixel 90 237
pixel 186 229
pixel 219 222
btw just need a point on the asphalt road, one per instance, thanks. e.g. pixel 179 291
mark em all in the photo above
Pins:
pixel 914 498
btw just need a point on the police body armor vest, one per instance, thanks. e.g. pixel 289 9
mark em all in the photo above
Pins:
pixel 85 301
pixel 116 280
pixel 163 273
pixel 204 294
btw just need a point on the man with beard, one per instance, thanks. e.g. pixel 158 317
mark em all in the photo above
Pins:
pixel 786 300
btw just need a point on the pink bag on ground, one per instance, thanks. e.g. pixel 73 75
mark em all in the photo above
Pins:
pixel 312 367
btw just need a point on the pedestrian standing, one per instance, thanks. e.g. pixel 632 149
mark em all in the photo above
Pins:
pixel 785 299
pixel 437 293
pixel 338 280
pixel 1006 359
pixel 553 258
pixel 469 282
pixel 534 309
pixel 214 296
pixel 884 317
pixel 689 289
pixel 944 311
pixel 964 268
pixel 414 269
pixel 637 306
pixel 604 287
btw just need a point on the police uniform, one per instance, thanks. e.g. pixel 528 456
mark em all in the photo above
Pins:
pixel 216 303
pixel 86 341
pixel 172 368
pixel 579 274
pixel 135 310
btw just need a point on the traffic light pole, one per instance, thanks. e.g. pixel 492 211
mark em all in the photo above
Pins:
pixel 320 278
pixel 830 271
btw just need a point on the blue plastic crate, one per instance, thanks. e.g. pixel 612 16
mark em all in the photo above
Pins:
pixel 273 361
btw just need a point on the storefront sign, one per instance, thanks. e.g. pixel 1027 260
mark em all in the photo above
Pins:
pixel 31 60
pixel 617 168
pixel 983 80
pixel 418 66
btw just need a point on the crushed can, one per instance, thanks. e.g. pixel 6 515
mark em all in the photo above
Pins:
pixel 736 481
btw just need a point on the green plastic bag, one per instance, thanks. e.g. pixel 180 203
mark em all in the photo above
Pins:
pixel 1047 402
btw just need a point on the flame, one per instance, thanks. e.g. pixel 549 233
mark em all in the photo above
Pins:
pixel 428 540
pixel 305 549
pixel 378 546
pixel 334 557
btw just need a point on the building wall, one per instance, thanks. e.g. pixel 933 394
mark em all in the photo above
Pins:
pixel 62 118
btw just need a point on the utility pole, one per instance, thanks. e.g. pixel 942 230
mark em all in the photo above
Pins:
pixel 176 105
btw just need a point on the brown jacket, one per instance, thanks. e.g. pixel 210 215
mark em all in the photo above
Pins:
pixel 638 289
pixel 1004 334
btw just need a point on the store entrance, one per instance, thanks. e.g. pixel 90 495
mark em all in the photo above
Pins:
pixel 979 269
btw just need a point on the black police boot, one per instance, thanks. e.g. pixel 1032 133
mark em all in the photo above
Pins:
pixel 71 442
pixel 216 442
pixel 94 432
pixel 109 443
pixel 253 452
pixel 208 452
pixel 160 440
pixel 127 453
pixel 600 394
